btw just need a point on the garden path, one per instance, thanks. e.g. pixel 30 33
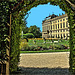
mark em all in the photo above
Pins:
pixel 56 63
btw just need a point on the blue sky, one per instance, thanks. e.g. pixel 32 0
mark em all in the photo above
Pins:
pixel 39 13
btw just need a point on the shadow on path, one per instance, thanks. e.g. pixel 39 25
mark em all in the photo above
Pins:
pixel 43 71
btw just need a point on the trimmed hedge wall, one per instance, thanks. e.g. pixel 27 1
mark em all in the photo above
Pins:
pixel 15 42
pixel 28 35
pixel 15 36
pixel 71 19
pixel 4 13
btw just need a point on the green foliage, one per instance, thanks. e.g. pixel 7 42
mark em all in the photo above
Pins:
pixel 4 12
pixel 35 30
pixel 44 51
pixel 28 35
pixel 40 45
pixel 72 41
pixel 23 46
pixel 24 23
pixel 24 28
pixel 15 42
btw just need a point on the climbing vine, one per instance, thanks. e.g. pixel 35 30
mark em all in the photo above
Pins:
pixel 4 12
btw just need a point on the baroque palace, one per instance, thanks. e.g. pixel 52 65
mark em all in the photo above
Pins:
pixel 55 27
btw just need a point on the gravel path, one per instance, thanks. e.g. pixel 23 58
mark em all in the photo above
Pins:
pixel 45 63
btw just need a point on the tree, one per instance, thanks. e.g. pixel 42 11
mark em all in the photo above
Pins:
pixel 24 27
pixel 35 30
pixel 71 3
pixel 24 23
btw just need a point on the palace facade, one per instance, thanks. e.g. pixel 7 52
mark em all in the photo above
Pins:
pixel 55 27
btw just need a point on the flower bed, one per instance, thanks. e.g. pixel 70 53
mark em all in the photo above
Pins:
pixel 40 45
pixel 51 47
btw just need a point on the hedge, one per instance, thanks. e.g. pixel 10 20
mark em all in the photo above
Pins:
pixel 28 35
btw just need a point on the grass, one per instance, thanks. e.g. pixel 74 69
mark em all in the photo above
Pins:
pixel 41 42
pixel 46 51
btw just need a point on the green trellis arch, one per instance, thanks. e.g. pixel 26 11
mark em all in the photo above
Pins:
pixel 19 7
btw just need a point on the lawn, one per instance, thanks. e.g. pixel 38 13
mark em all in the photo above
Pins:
pixel 48 42
pixel 45 51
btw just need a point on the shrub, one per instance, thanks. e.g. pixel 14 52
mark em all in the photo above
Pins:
pixel 58 47
pixel 24 46
pixel 23 40
pixel 32 48
pixel 50 47
pixel 28 35
pixel 44 47
pixel 15 43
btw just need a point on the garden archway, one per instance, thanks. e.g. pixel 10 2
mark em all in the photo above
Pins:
pixel 23 6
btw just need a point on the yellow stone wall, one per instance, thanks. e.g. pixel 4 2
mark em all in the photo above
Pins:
pixel 57 26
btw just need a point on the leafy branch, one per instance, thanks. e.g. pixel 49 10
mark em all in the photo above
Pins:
pixel 73 5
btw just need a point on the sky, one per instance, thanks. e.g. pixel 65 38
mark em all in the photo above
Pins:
pixel 39 13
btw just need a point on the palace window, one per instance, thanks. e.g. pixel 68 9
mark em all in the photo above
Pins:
pixel 67 35
pixel 56 26
pixel 64 35
pixel 61 36
pixel 56 36
pixel 64 30
pixel 66 24
pixel 56 31
pixel 63 24
pixel 51 27
pixel 60 25
pixel 66 18
pixel 63 19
